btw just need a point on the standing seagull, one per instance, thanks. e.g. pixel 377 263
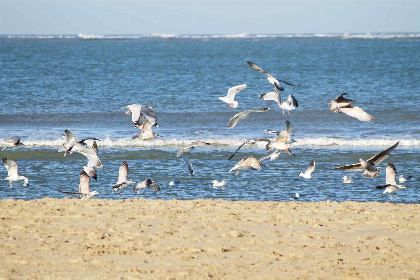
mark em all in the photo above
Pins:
pixel 13 142
pixel 84 188
pixel 242 115
pixel 122 179
pixel 230 97
pixel 12 172
pixel 391 184
pixel 290 104
pixel 270 78
pixel 308 172
pixel 343 105
pixel 347 180
pixel 218 184
pixel 368 165
pixel 247 163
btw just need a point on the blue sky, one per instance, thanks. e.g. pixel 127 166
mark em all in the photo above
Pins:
pixel 207 17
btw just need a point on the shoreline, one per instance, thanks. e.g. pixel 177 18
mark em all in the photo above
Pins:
pixel 205 238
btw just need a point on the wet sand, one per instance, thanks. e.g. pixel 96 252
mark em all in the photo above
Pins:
pixel 203 239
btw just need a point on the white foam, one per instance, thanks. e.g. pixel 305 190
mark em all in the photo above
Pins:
pixel 318 142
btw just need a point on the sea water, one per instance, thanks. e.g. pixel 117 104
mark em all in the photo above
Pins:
pixel 81 82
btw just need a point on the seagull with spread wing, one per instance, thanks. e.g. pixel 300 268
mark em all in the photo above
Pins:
pixel 89 149
pixel 149 184
pixel 12 142
pixel 69 141
pixel 343 105
pixel 308 172
pixel 184 151
pixel 284 139
pixel 370 171
pixel 230 97
pixel 391 185
pixel 84 187
pixel 270 78
pixel 242 115
pixel 247 163
pixel 290 104
pixel 12 172
pixel 122 179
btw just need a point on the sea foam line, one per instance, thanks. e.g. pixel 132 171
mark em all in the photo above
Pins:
pixel 317 142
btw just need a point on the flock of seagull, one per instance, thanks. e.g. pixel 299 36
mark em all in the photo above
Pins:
pixel 144 118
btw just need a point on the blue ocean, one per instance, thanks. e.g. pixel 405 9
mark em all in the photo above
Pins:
pixel 81 82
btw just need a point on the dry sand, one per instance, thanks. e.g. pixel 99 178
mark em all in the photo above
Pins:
pixel 200 239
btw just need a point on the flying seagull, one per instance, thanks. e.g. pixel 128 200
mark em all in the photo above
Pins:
pixel 12 172
pixel 270 78
pixel 343 105
pixel 368 165
pixel 148 183
pixel 69 141
pixel 140 113
pixel 308 172
pixel 230 97
pixel 122 179
pixel 247 163
pixel 283 141
pixel 390 182
pixel 347 180
pixel 84 188
pixel 402 179
pixel 13 142
pixel 89 149
pixel 290 104
pixel 184 151
pixel 218 184
pixel 242 115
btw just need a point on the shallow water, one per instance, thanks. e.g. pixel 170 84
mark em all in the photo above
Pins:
pixel 49 85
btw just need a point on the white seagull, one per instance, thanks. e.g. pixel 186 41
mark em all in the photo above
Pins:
pixel 283 141
pixel 148 183
pixel 69 141
pixel 146 131
pixel 89 149
pixel 343 105
pixel 402 179
pixel 247 163
pixel 230 97
pixel 390 182
pixel 174 183
pixel 308 172
pixel 84 188
pixel 295 197
pixel 242 115
pixel 12 142
pixel 122 179
pixel 270 78
pixel 12 172
pixel 141 113
pixel 184 151
pixel 347 180
pixel 290 104
pixel 368 165
pixel 218 184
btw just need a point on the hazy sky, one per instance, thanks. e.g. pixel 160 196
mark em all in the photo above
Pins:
pixel 207 17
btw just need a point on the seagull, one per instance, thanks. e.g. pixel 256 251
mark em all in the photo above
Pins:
pixel 14 142
pixel 270 78
pixel 273 156
pixel 308 172
pixel 89 149
pixel 284 140
pixel 12 172
pixel 343 105
pixel 148 183
pixel 285 133
pixel 247 163
pixel 295 197
pixel 141 113
pixel 368 165
pixel 391 184
pixel 122 179
pixel 84 188
pixel 347 180
pixel 174 183
pixel 69 142
pixel 403 180
pixel 290 104
pixel 146 131
pixel 230 97
pixel 218 184
pixel 184 151
pixel 242 115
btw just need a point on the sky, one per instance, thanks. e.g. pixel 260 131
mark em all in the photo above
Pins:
pixel 208 16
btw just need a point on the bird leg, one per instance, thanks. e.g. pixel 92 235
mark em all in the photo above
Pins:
pixel 119 192
pixel 237 172
pixel 283 112
pixel 288 112
pixel 11 185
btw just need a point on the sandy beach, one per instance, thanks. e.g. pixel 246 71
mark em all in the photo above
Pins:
pixel 203 239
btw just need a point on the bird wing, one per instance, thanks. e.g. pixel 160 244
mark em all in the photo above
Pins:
pixel 268 131
pixel 272 95
pixel 242 115
pixel 84 183
pixel 381 156
pixel 289 127
pixel 155 187
pixel 188 164
pixel 350 167
pixel 283 136
pixel 148 114
pixel 11 166
pixel 310 168
pixel 254 163
pixel 68 136
pixel 292 101
pixel 135 112
pixel 256 67
pixel 95 147
pixel 234 90
pixel 357 112
pixel 289 84
pixel 391 172
pixel 342 99
pixel 123 171
pixel 382 186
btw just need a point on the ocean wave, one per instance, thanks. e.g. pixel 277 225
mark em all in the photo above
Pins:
pixel 316 142
pixel 225 36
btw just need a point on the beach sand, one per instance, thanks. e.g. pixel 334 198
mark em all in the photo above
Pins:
pixel 203 239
